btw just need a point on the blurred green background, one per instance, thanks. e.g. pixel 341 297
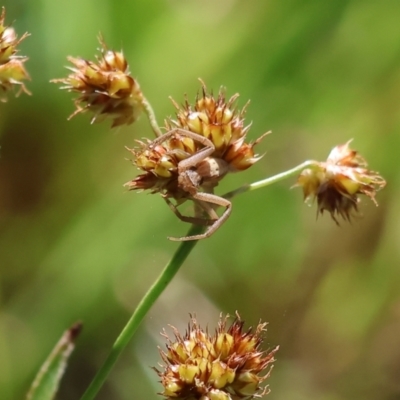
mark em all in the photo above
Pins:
pixel 75 245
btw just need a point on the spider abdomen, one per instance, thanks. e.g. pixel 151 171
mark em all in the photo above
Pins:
pixel 212 169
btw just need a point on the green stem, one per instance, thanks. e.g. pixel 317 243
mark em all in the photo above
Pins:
pixel 273 179
pixel 141 310
pixel 169 271
pixel 148 109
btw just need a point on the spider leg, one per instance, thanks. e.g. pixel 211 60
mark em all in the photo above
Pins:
pixel 209 209
pixel 208 149
pixel 184 218
pixel 205 199
pixel 189 181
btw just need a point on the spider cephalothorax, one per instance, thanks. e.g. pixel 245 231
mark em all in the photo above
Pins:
pixel 188 161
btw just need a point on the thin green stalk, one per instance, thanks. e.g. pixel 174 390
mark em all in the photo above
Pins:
pixel 141 310
pixel 148 109
pixel 272 179
pixel 169 272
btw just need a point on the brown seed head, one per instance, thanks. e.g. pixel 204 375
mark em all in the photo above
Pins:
pixel 12 70
pixel 228 365
pixel 106 87
pixel 160 164
pixel 337 182
pixel 210 117
pixel 218 120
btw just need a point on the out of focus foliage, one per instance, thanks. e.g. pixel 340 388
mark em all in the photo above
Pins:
pixel 74 245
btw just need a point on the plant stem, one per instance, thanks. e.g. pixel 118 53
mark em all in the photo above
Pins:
pixel 148 109
pixel 272 179
pixel 141 310
pixel 169 271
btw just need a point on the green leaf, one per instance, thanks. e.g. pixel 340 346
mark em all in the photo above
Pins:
pixel 46 382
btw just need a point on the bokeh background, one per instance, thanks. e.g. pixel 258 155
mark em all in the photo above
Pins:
pixel 75 245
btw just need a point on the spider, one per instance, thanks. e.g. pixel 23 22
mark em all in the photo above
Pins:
pixel 200 170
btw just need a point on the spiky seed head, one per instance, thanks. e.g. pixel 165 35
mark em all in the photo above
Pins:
pixel 225 366
pixel 212 117
pixel 12 70
pixel 217 119
pixel 337 182
pixel 105 87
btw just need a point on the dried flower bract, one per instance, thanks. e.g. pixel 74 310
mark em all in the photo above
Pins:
pixel 12 70
pixel 106 87
pixel 225 366
pixel 201 146
pixel 337 182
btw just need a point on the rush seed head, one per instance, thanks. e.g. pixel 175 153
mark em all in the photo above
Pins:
pixel 12 70
pixel 105 87
pixel 227 365
pixel 204 143
pixel 218 119
pixel 338 182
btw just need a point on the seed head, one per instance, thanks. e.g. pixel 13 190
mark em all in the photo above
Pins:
pixel 337 182
pixel 12 70
pixel 228 365
pixel 218 119
pixel 106 87
pixel 210 117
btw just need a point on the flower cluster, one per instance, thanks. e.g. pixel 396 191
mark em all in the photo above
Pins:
pixel 106 87
pixel 12 70
pixel 228 365
pixel 337 182
pixel 218 120
pixel 212 118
